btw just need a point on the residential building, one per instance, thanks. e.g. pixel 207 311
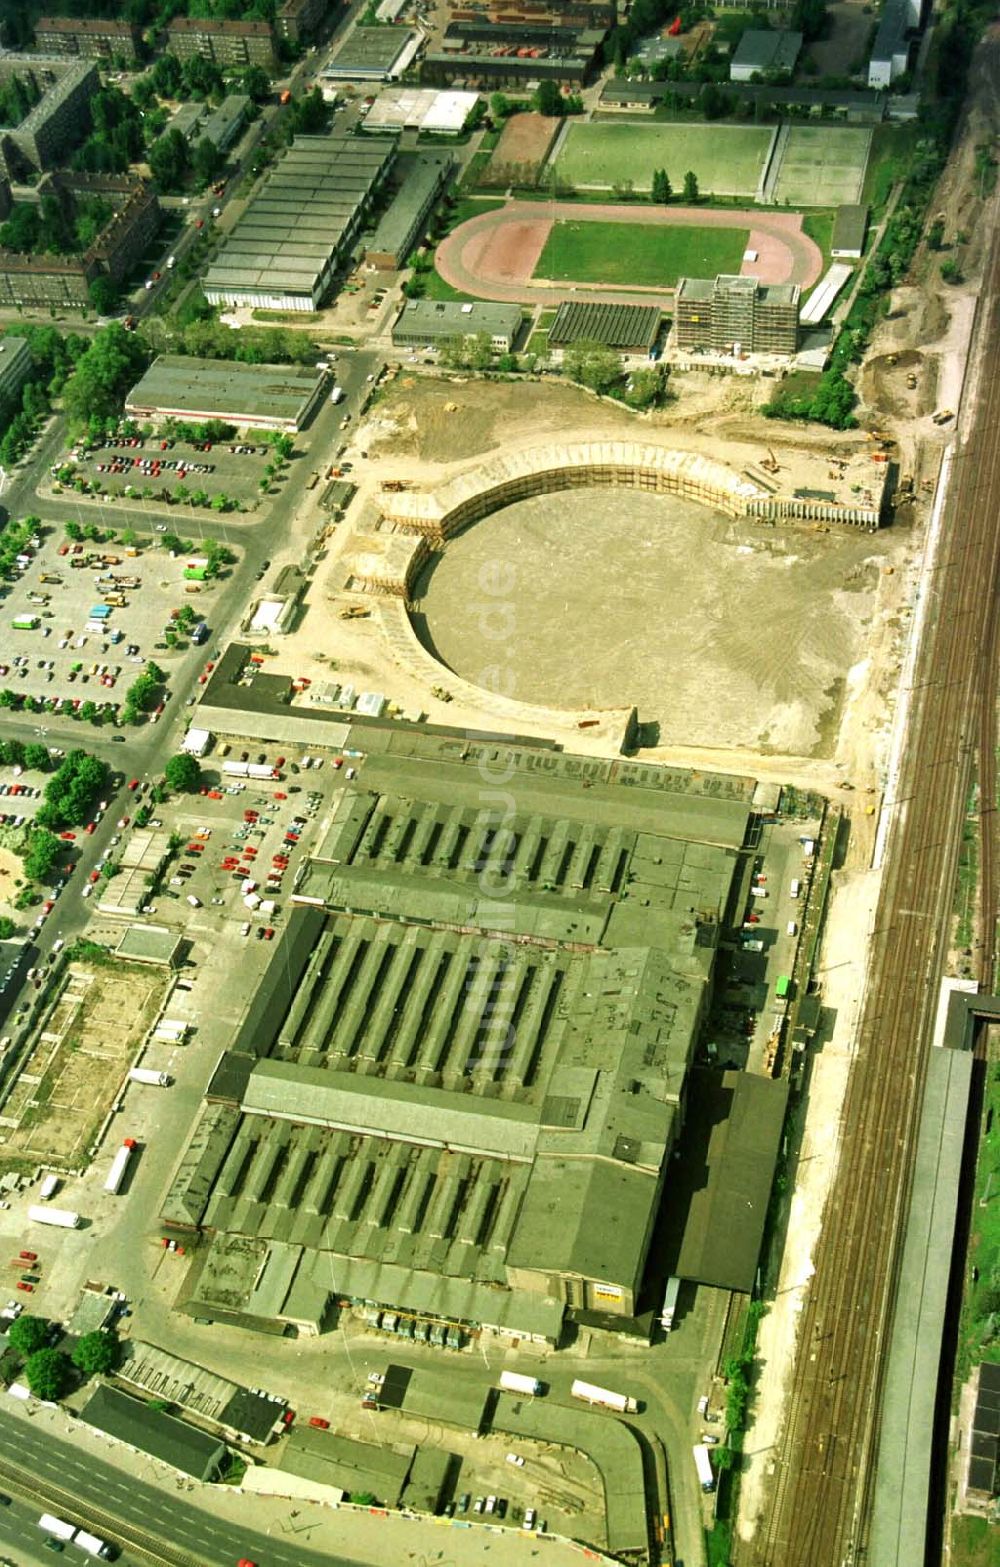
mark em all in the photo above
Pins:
pixel 53 281
pixel 733 315
pixel 99 38
pixel 15 367
pixel 225 43
pixel 299 20
pixel 226 123
pixel 54 127
pixel 429 323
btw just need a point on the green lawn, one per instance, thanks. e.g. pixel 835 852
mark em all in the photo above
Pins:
pixel 727 159
pixel 640 255
pixel 975 1542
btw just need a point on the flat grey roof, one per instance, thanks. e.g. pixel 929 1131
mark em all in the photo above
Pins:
pixel 436 318
pixel 768 50
pixel 369 48
pixel 424 175
pixel 226 387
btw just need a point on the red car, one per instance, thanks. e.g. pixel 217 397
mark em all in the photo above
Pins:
pixel 288 1415
pixel 215 794
pixel 95 875
pixel 68 837
pixel 89 828
pixel 268 936
pixel 29 1289
pixel 28 1256
pixel 279 796
pixel 319 1423
pixel 133 784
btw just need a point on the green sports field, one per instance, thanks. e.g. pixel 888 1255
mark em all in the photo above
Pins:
pixel 727 159
pixel 823 165
pixel 638 255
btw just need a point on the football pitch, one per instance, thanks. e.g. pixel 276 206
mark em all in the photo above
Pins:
pixel 727 159
pixel 639 255
pixel 823 166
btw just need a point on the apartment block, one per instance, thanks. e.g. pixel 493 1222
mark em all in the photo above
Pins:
pixel 58 120
pixel 97 38
pixel 224 43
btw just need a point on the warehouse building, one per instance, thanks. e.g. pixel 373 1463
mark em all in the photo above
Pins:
pixel 258 397
pixel 733 315
pixel 297 233
pixel 554 15
pixel 460 1110
pixel 428 323
pixel 762 53
pixel 466 61
pixel 372 54
pixel 421 109
pixel 150 1430
pixel 225 43
pixel 423 179
pixel 890 56
pixel 850 229
pixel 58 121
pixel 632 330
pixel 97 38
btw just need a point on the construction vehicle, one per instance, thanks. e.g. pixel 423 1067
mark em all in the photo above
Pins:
pixel 355 612
pixel 770 463
pixel 942 416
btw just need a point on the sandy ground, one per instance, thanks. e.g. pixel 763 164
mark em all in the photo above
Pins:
pixel 10 872
pixel 712 628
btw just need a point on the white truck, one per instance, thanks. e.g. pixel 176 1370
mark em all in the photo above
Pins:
pixel 48 1188
pixel 145 1074
pixel 517 1382
pixel 119 1165
pixel 603 1396
pixel 92 1544
pixel 337 395
pixel 63 1217
pixel 703 1465
pixel 57 1527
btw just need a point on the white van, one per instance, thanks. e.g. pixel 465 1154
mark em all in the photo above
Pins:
pixel 795 888
pixel 194 902
pixel 791 929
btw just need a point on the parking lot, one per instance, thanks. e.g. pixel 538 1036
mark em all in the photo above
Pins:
pixel 82 619
pixel 243 843
pixel 162 467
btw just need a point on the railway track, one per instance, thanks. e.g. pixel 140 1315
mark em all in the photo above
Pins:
pixel 821 1493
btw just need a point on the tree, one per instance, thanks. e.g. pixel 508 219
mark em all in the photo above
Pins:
pixel 103 374
pixel 183 773
pixel 256 83
pixel 500 105
pixel 691 192
pixel 47 1373
pixel 36 757
pixel 661 189
pixel 593 365
pixel 103 295
pixel 96 1353
pixel 951 272
pixel 42 854
pixel 206 161
pixel 547 99
pixel 166 76
pixel 170 161
pixel 27 1334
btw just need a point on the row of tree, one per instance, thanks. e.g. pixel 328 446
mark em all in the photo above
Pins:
pixel 662 191
pixel 53 357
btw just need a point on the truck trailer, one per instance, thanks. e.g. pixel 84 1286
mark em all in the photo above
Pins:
pixel 669 1307
pixel 145 1074
pixel 57 1527
pixel 516 1382
pixel 119 1165
pixel 64 1218
pixel 590 1394
pixel 704 1467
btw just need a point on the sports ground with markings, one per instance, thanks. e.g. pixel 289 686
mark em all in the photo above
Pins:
pixel 627 254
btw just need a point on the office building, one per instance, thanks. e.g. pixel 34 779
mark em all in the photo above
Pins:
pixel 732 315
